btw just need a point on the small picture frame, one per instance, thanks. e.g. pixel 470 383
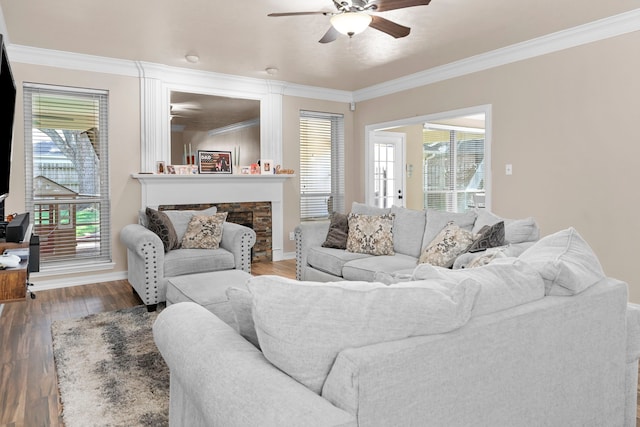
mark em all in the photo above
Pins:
pixel 217 162
pixel 266 167
pixel 171 169
pixel 161 167
pixel 254 169
pixel 245 170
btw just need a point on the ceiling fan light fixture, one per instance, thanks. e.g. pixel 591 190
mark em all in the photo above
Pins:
pixel 350 23
pixel 192 58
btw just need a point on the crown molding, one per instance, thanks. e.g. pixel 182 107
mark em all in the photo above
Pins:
pixel 234 127
pixel 587 33
pixel 583 34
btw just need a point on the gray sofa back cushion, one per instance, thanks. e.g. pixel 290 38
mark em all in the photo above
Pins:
pixel 515 230
pixel 362 209
pixel 302 326
pixel 407 230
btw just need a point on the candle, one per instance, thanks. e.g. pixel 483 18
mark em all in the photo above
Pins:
pixel 190 155
pixel 185 153
pixel 238 156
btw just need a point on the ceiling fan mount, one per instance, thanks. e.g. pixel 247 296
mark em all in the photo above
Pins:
pixel 353 17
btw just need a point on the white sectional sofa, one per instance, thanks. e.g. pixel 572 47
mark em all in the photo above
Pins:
pixel 544 339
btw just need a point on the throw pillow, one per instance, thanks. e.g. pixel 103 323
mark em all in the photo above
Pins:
pixel 505 283
pixel 445 248
pixel 241 303
pixel 437 220
pixel 338 232
pixel 370 234
pixel 303 326
pixel 160 224
pixel 180 219
pixel 490 236
pixel 565 261
pixel 204 232
pixel 486 257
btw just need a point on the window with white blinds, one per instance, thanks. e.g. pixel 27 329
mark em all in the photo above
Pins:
pixel 453 169
pixel 321 164
pixel 67 191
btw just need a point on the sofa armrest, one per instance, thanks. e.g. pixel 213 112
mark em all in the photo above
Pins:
pixel 145 257
pixel 308 234
pixel 239 240
pixel 633 332
pixel 227 381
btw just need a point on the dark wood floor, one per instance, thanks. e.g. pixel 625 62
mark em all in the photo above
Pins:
pixel 28 388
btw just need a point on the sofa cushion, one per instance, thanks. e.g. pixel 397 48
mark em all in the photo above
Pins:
pixel 180 219
pixel 565 261
pixel 515 230
pixel 331 260
pixel 505 283
pixel 190 261
pixel 407 238
pixel 489 236
pixel 370 234
pixel 204 232
pixel 437 220
pixel 160 224
pixel 242 303
pixel 302 326
pixel 338 231
pixel 363 209
pixel 364 269
pixel 446 246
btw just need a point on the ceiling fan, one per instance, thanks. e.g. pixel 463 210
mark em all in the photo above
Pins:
pixel 352 17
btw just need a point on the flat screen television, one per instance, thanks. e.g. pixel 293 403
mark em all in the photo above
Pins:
pixel 7 113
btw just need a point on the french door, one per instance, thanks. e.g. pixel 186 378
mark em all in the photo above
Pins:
pixel 386 162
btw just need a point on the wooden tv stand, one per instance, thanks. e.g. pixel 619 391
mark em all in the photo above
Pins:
pixel 13 281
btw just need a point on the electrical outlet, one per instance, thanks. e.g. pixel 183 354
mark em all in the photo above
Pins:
pixel 508 169
pixel 292 235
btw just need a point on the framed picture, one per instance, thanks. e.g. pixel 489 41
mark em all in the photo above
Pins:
pixel 266 167
pixel 254 169
pixel 214 161
pixel 171 169
pixel 245 170
pixel 161 167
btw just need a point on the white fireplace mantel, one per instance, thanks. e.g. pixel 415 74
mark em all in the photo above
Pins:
pixel 215 188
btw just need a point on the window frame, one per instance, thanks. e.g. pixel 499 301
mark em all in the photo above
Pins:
pixel 100 248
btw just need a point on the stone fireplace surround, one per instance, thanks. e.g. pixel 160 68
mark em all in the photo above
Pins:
pixel 211 189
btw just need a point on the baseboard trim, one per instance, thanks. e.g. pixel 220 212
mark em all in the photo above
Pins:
pixel 45 284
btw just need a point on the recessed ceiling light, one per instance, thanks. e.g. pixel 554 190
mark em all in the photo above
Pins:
pixel 192 57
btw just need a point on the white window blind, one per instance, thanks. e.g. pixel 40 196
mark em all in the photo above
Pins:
pixel 453 169
pixel 67 177
pixel 321 164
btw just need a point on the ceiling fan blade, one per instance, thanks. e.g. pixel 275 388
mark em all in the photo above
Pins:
pixel 389 27
pixel 384 5
pixel 297 13
pixel 330 35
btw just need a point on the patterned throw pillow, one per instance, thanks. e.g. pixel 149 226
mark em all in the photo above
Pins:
pixel 204 232
pixel 159 223
pixel 370 234
pixel 490 236
pixel 447 246
pixel 338 232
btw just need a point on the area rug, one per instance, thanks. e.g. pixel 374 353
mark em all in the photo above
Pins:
pixel 109 370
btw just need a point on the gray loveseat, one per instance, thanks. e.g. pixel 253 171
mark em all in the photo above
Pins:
pixel 150 268
pixel 542 339
pixel 412 231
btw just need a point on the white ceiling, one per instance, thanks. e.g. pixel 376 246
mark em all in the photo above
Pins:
pixel 236 36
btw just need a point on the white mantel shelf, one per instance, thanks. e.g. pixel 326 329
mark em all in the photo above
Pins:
pixel 218 188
